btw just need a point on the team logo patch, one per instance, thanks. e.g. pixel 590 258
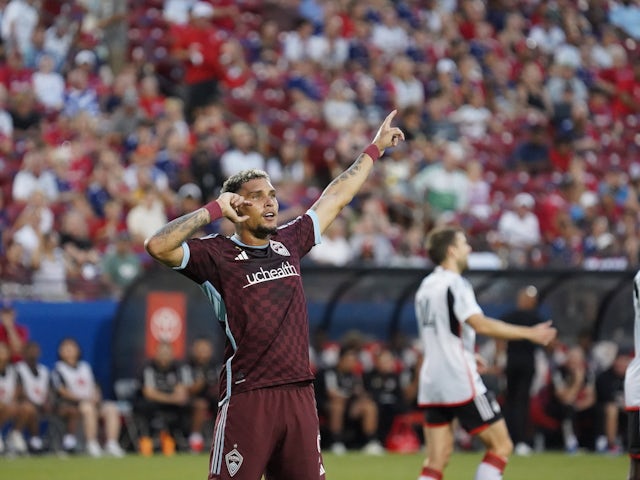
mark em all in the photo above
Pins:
pixel 279 248
pixel 233 459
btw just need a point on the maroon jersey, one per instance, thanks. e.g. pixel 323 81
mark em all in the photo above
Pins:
pixel 258 296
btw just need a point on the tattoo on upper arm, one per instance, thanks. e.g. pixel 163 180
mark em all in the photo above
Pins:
pixel 349 174
pixel 352 171
pixel 185 226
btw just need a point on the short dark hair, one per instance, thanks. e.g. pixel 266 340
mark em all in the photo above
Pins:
pixel 439 240
pixel 235 182
pixel 70 340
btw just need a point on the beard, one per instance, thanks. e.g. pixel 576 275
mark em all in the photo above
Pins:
pixel 264 232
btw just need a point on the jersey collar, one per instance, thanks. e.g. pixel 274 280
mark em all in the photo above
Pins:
pixel 236 239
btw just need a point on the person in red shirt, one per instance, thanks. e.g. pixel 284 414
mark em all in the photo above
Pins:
pixel 225 14
pixel 151 99
pixel 553 209
pixel 14 75
pixel 632 98
pixel 618 81
pixel 197 45
pixel 561 153
pixel 11 333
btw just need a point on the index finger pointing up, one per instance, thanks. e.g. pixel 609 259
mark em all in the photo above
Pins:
pixel 387 121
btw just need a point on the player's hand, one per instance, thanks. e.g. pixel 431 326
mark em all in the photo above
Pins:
pixel 230 203
pixel 543 333
pixel 388 136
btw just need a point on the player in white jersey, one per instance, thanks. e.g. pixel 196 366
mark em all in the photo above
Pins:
pixel 33 378
pixel 449 384
pixel 632 389
pixel 79 397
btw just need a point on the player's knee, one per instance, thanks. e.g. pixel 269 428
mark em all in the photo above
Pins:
pixel 110 410
pixel 439 457
pixel 87 408
pixel 503 448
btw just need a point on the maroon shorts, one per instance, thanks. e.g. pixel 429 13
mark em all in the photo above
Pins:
pixel 271 431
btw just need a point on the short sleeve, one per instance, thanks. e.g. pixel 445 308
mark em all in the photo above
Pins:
pixel 304 231
pixel 464 300
pixel 199 259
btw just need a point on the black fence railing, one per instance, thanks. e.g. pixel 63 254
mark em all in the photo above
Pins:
pixel 380 301
pixel 379 304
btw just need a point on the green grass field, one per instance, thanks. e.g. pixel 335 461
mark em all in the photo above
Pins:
pixel 547 466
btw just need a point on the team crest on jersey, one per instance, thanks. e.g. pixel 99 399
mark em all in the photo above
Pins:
pixel 279 248
pixel 233 459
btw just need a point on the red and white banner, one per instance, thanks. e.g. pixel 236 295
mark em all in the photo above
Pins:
pixel 166 322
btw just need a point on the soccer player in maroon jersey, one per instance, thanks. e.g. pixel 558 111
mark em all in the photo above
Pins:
pixel 267 421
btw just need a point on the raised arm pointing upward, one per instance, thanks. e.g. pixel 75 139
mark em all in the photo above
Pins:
pixel 343 188
pixel 237 206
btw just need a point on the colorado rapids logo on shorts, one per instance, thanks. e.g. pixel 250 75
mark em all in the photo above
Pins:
pixel 279 248
pixel 233 460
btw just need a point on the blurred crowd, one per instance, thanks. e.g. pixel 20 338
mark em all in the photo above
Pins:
pixel 521 120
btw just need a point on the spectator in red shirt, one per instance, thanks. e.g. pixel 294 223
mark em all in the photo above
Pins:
pixel 561 153
pixel 12 334
pixel 632 98
pixel 553 210
pixel 225 13
pixel 197 45
pixel 105 229
pixel 471 14
pixel 13 73
pixel 237 77
pixel 151 100
pixel 618 81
